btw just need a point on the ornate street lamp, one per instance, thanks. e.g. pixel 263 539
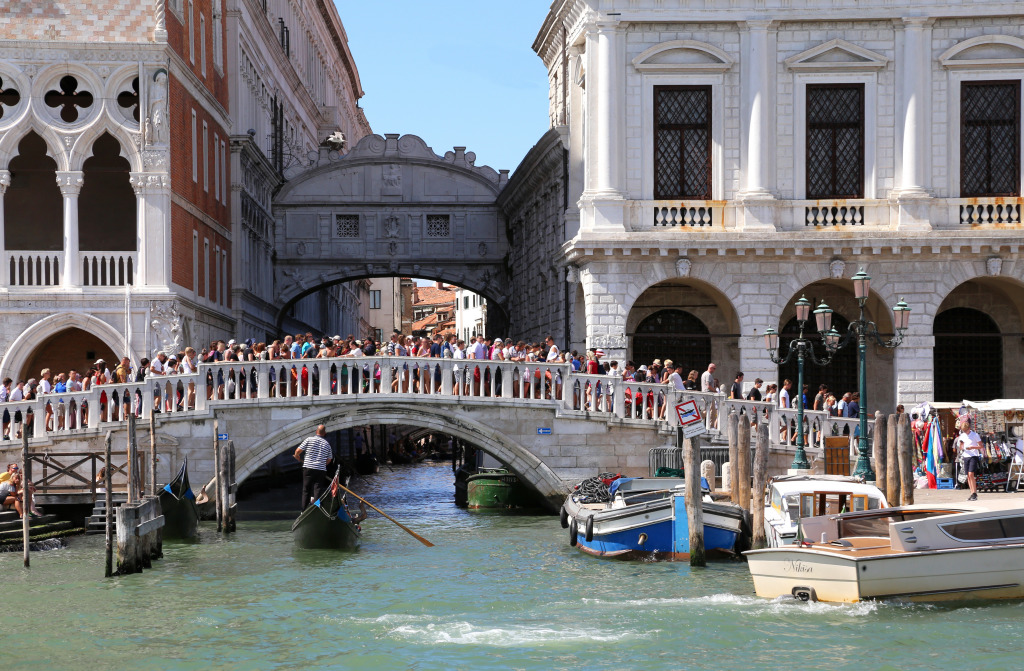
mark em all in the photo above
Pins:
pixel 862 328
pixel 803 348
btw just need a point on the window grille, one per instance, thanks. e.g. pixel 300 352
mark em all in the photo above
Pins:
pixel 348 225
pixel 438 225
pixel 835 141
pixel 682 142
pixel 990 139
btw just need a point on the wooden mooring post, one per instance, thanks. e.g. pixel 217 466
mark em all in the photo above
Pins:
pixel 906 459
pixel 694 511
pixel 879 449
pixel 743 460
pixel 216 471
pixel 108 499
pixel 760 482
pixel 133 466
pixel 892 466
pixel 152 453
pixel 732 422
pixel 25 507
pixel 138 535
pixel 226 494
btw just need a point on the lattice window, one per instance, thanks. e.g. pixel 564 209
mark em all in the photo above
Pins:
pixel 682 142
pixel 438 225
pixel 348 225
pixel 990 139
pixel 968 356
pixel 835 141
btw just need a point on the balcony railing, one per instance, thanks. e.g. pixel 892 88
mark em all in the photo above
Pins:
pixel 982 211
pixel 32 268
pixel 108 269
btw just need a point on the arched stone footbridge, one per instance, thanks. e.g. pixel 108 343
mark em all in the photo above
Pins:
pixel 551 426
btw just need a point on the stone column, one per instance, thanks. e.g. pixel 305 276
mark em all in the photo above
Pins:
pixel 154 227
pixel 139 185
pixel 5 181
pixel 757 80
pixel 70 183
pixel 610 117
pixel 915 107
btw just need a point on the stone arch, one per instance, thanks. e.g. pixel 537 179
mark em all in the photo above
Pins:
pixel 683 56
pixel 107 207
pixel 985 51
pixel 1002 300
pixel 21 350
pixel 85 145
pixel 528 467
pixel 10 140
pixel 33 205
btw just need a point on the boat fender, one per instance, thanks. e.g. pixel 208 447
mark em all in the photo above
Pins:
pixel 590 528
pixel 573 533
pixel 563 518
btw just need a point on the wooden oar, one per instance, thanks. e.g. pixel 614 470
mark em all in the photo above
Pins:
pixel 404 528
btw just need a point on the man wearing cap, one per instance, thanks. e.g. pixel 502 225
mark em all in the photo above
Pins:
pixel 316 454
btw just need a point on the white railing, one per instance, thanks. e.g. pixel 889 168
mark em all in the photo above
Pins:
pixel 819 214
pixel 988 211
pixel 406 379
pixel 32 268
pixel 108 269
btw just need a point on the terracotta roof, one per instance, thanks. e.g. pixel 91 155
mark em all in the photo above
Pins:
pixel 434 296
pixel 450 330
pixel 429 320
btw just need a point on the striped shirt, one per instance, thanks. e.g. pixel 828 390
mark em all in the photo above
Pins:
pixel 316 451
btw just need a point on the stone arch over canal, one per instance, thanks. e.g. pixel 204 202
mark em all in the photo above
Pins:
pixel 391 207
pixel 498 438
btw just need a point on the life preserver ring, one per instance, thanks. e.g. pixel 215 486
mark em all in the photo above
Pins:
pixel 563 518
pixel 590 529
pixel 573 533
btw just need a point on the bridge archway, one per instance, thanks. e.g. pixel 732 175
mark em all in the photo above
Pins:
pixel 521 461
pixel 391 207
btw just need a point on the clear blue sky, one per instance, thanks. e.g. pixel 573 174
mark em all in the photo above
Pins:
pixel 455 72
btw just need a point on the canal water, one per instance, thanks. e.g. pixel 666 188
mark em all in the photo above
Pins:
pixel 496 592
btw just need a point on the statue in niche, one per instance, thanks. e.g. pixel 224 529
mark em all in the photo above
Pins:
pixel 167 328
pixel 156 122
pixel 392 180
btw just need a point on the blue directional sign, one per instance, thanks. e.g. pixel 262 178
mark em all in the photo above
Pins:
pixel 544 431
pixel 222 436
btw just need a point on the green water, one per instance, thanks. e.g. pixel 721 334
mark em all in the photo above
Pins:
pixel 496 592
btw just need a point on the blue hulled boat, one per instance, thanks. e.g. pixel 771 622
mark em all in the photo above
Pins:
pixel 646 518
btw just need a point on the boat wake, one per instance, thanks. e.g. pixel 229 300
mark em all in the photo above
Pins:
pixel 752 605
pixel 465 633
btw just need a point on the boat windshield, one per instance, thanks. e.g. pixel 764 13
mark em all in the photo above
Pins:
pixel 991 529
pixel 878 525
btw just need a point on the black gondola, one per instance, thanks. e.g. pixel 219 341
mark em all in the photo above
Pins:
pixel 181 516
pixel 366 463
pixel 326 524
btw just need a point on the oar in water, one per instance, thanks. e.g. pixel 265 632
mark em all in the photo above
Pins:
pixel 404 528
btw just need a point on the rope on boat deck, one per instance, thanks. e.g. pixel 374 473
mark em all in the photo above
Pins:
pixel 593 490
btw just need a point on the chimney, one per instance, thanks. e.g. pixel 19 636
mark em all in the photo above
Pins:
pixel 439 285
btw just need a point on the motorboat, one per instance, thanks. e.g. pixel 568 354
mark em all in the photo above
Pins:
pixel 646 518
pixel 913 553
pixel 790 498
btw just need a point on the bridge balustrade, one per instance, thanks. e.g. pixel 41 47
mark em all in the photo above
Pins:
pixel 500 382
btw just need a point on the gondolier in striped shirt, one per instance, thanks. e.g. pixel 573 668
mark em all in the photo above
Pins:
pixel 315 454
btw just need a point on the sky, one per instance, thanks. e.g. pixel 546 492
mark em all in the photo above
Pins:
pixel 454 72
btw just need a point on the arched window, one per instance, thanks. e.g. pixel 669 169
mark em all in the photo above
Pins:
pixel 840 374
pixel 33 206
pixel 672 334
pixel 968 356
pixel 107 205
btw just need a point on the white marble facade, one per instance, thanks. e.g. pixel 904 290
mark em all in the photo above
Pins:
pixel 759 241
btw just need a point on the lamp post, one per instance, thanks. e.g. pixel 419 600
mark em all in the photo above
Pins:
pixel 803 348
pixel 862 329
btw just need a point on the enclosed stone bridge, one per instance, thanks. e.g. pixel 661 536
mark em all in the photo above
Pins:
pixel 391 207
pixel 551 426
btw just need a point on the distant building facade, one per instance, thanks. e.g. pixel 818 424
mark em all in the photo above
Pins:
pixel 135 200
pixel 725 159
pixel 470 315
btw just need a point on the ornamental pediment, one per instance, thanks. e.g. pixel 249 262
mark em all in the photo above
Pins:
pixel 836 56
pixel 683 56
pixel 985 52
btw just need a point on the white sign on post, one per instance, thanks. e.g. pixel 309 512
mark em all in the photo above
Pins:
pixel 689 419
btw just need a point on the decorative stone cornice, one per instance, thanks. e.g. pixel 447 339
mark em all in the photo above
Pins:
pixel 70 182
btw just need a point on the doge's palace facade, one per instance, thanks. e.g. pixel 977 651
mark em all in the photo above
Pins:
pixel 726 158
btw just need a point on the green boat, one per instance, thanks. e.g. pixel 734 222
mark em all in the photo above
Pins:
pixel 326 524
pixel 496 489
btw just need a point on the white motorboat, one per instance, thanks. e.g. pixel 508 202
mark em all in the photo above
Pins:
pixel 790 498
pixel 914 553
